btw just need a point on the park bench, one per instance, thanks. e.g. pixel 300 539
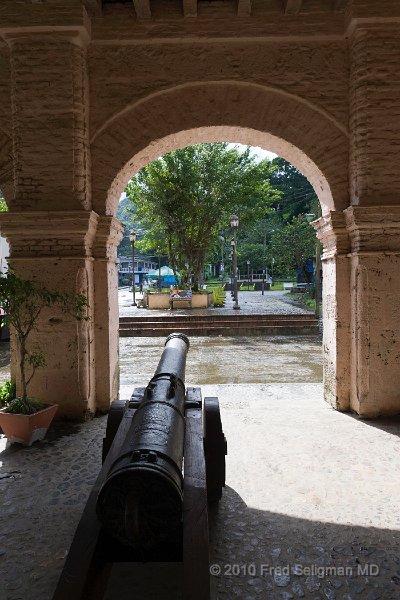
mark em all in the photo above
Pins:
pixel 287 286
pixel 180 297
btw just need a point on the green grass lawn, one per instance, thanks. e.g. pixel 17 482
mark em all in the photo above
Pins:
pixel 304 299
pixel 277 286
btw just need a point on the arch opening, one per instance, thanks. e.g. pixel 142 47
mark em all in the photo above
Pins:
pixel 249 137
pixel 220 111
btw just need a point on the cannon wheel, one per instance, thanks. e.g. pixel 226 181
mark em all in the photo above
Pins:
pixel 215 449
pixel 117 409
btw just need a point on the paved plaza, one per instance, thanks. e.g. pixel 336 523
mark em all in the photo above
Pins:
pixel 307 488
pixel 311 497
pixel 272 302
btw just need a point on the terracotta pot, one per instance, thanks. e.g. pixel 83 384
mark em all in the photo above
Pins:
pixel 27 429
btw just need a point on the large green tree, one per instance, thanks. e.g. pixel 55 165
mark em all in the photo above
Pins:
pixel 184 201
pixel 297 194
pixel 293 245
pixel 296 198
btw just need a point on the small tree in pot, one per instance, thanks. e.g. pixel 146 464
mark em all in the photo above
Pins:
pixel 23 302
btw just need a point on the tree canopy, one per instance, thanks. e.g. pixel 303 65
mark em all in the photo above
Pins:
pixel 293 246
pixel 297 196
pixel 269 241
pixel 184 201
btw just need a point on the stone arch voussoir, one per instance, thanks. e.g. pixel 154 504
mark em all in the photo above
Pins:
pixel 221 111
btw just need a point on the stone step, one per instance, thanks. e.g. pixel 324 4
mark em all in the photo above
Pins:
pixel 243 329
pixel 177 318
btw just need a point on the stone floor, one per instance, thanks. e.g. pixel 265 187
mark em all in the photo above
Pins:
pixel 307 488
pixel 311 498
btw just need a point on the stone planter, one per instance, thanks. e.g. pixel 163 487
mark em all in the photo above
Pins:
pixel 27 429
pixel 202 300
pixel 160 301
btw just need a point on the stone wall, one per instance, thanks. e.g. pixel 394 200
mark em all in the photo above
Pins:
pixel 88 98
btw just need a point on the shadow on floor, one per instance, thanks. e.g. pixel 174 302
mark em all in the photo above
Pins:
pixel 259 554
pixel 388 424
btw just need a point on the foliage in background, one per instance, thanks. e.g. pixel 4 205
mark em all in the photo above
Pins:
pixel 23 302
pixel 126 213
pixel 293 245
pixel 7 393
pixel 185 199
pixel 219 296
pixel 297 194
pixel 261 243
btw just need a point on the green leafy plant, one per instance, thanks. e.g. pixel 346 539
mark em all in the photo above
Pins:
pixel 23 301
pixel 7 393
pixel 219 296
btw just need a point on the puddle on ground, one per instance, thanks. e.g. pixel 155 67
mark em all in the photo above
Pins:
pixel 219 360
pixel 223 360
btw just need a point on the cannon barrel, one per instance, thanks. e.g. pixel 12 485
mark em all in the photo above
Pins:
pixel 140 502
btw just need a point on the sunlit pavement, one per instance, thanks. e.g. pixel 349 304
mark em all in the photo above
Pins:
pixel 272 302
pixel 310 509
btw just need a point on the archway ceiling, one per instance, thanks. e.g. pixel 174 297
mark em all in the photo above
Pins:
pixel 146 9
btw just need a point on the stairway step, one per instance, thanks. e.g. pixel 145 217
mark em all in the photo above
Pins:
pixel 301 329
pixel 234 317
pixel 220 324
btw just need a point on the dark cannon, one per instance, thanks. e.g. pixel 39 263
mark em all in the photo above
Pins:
pixel 163 462
pixel 140 502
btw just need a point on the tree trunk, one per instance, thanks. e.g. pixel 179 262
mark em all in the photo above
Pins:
pixel 173 260
pixel 196 276
pixel 22 357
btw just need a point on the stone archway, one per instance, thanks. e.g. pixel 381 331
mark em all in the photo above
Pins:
pixel 303 134
pixel 308 137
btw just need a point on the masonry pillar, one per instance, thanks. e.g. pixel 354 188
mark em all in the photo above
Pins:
pixel 54 249
pixel 106 323
pixel 373 220
pixel 375 309
pixel 50 226
pixel 331 231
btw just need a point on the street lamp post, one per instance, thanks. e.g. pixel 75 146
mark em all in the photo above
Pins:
pixel 132 237
pixel 231 271
pixel 234 225
pixel 159 274
pixel 248 275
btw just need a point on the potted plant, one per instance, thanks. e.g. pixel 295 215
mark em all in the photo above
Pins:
pixel 25 419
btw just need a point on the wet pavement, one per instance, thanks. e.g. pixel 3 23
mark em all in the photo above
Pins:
pixel 272 302
pixel 310 509
pixel 220 360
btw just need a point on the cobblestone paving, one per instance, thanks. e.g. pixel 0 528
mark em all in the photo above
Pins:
pixel 273 302
pixel 307 488
pixel 42 493
pixel 311 503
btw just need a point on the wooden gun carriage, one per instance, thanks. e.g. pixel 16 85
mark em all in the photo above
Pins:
pixel 163 462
